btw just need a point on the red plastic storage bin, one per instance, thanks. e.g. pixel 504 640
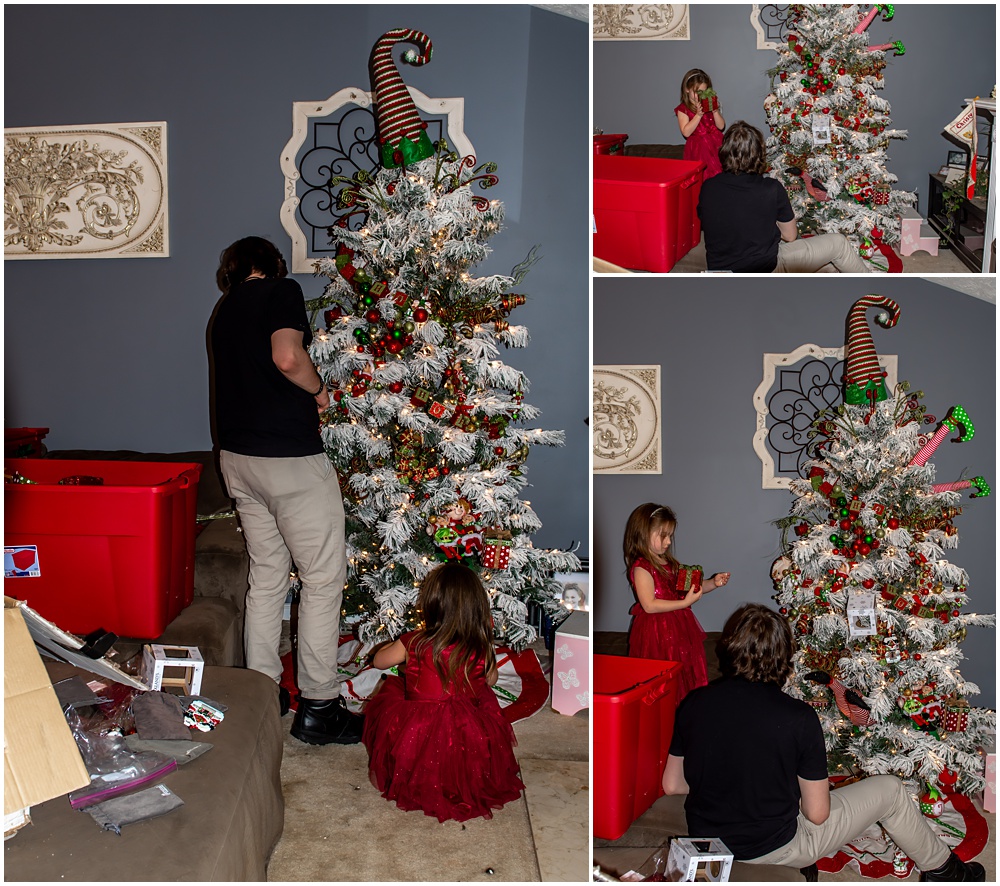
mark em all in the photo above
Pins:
pixel 118 556
pixel 613 143
pixel 23 442
pixel 646 210
pixel 634 700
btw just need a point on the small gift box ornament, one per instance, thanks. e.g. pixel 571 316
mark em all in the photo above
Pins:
pixel 956 715
pixel 881 195
pixel 708 100
pixel 689 578
pixel 497 544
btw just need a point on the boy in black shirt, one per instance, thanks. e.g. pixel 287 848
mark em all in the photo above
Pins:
pixel 748 220
pixel 753 763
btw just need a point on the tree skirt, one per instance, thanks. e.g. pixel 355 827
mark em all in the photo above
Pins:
pixel 961 826
pixel 521 687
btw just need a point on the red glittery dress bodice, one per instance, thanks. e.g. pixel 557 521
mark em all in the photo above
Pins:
pixel 670 636
pixel 446 751
pixel 703 143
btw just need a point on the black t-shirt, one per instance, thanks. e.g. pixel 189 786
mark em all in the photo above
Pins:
pixel 738 215
pixel 743 746
pixel 257 410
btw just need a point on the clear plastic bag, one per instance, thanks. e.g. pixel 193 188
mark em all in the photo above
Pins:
pixel 114 768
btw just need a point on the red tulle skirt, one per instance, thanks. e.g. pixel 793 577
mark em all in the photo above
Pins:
pixel 453 757
pixel 671 636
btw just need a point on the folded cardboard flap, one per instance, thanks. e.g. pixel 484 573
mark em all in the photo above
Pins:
pixel 68 647
pixel 40 757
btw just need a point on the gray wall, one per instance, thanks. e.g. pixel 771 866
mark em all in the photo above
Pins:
pixel 950 56
pixel 110 353
pixel 709 336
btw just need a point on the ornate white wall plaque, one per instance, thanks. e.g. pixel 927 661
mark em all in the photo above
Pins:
pixel 336 137
pixel 626 430
pixel 770 21
pixel 641 21
pixel 794 388
pixel 96 191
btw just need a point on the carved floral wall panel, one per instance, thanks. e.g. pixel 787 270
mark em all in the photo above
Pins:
pixel 641 21
pixel 95 191
pixel 337 137
pixel 794 388
pixel 626 420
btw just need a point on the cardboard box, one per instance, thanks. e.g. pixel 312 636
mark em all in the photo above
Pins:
pixel 173 667
pixel 40 757
pixel 571 664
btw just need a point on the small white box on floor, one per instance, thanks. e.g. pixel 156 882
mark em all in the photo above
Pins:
pixel 173 667
pixel 571 664
pixel 699 859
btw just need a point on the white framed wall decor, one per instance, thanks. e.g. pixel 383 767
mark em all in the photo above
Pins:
pixel 794 388
pixel 92 191
pixel 626 420
pixel 337 137
pixel 770 22
pixel 641 21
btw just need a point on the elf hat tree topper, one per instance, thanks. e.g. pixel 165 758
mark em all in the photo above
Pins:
pixel 402 134
pixel 863 377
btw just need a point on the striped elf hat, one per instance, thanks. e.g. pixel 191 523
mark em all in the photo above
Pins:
pixel 402 134
pixel 863 377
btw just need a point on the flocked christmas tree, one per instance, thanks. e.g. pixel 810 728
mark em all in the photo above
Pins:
pixel 877 609
pixel 426 421
pixel 830 129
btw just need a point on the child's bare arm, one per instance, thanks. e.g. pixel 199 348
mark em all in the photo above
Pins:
pixel 388 656
pixel 645 592
pixel 688 124
pixel 492 675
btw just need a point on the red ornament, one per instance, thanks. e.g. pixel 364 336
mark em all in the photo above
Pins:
pixel 893 523
pixel 420 315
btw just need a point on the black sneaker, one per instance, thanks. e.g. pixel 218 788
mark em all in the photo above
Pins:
pixel 326 722
pixel 810 872
pixel 954 870
pixel 284 700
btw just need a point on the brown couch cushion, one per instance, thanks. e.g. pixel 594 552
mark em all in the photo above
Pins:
pixel 232 816
pixel 663 152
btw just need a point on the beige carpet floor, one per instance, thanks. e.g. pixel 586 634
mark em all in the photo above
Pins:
pixel 338 828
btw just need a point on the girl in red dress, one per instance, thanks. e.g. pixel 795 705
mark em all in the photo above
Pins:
pixel 703 132
pixel 436 737
pixel 663 625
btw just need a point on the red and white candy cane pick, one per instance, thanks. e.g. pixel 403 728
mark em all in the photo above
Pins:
pixel 982 487
pixel 956 418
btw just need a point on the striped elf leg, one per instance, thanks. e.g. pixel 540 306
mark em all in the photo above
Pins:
pixel 402 134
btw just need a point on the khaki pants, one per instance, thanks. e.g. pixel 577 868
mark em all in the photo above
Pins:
pixel 291 510
pixel 809 254
pixel 853 809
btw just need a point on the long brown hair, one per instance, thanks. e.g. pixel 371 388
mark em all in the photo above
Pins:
pixel 742 151
pixel 242 258
pixel 642 522
pixel 756 644
pixel 692 77
pixel 456 612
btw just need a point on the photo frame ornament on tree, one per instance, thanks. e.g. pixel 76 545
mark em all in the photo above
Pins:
pixel 794 388
pixel 338 137
pixel 88 191
pixel 626 420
